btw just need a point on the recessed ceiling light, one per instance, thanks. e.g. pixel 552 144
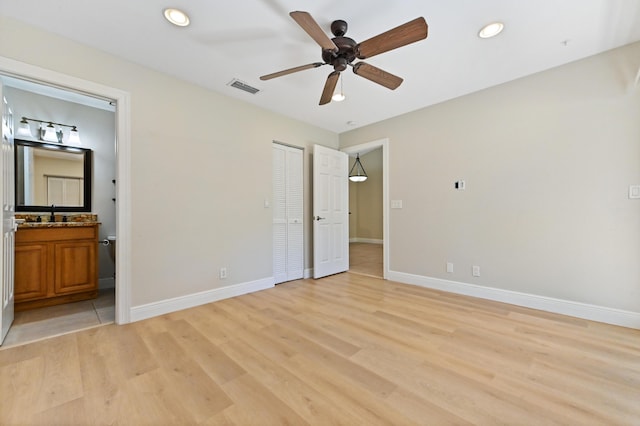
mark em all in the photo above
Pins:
pixel 491 30
pixel 176 17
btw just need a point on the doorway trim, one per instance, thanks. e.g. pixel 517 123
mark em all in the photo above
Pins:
pixel 21 70
pixel 370 146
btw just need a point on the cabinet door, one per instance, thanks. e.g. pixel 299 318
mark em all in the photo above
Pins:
pixel 75 267
pixel 31 271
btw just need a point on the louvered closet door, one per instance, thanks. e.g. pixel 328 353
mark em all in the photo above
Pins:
pixel 295 247
pixel 288 237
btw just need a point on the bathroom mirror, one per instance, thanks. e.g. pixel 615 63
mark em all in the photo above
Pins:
pixel 47 174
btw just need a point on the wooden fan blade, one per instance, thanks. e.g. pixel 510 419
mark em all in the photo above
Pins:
pixel 408 33
pixel 291 70
pixel 329 87
pixel 377 75
pixel 306 21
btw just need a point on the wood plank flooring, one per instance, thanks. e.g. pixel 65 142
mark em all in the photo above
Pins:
pixel 347 349
pixel 366 259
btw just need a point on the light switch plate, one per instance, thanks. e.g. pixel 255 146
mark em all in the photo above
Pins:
pixel 396 204
pixel 475 271
pixel 634 191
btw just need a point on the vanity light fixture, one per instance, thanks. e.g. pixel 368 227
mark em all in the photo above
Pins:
pixel 176 17
pixel 74 136
pixel 491 30
pixel 357 173
pixel 48 132
pixel 339 97
pixel 24 129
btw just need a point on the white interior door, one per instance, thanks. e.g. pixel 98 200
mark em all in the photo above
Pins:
pixel 330 211
pixel 7 214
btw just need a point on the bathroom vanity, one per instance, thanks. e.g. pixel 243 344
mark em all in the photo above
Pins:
pixel 55 263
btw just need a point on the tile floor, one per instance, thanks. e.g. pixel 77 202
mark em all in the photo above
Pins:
pixel 37 324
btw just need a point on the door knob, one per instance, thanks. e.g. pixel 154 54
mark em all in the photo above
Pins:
pixel 319 218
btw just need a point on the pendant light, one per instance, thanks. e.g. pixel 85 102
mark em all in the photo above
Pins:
pixel 357 173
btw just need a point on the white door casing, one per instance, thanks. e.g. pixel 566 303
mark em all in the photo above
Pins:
pixel 330 211
pixel 7 213
pixel 366 147
pixel 122 100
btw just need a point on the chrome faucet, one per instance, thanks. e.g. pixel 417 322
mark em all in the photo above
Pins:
pixel 52 218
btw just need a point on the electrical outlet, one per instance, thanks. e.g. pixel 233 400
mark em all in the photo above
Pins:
pixel 476 271
pixel 450 267
pixel 223 273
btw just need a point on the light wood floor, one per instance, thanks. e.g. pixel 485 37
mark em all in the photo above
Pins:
pixel 347 349
pixel 36 324
pixel 366 259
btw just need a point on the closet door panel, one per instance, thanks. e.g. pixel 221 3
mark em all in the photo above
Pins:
pixel 295 204
pixel 279 206
pixel 288 213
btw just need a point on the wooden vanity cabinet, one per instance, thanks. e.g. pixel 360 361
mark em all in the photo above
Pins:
pixel 55 265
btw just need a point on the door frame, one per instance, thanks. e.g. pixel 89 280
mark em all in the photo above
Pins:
pixel 17 69
pixel 370 146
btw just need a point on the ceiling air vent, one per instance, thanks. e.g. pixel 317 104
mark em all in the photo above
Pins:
pixel 243 86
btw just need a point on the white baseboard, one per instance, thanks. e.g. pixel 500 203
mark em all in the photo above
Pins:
pixel 106 283
pixel 365 240
pixel 543 303
pixel 189 301
pixel 308 273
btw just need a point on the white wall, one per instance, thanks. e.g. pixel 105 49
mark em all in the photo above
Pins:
pixel 200 169
pixel 547 160
pixel 97 132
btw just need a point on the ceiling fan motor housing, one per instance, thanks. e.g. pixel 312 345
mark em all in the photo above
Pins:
pixel 345 55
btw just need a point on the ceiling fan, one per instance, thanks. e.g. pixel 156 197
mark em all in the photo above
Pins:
pixel 341 51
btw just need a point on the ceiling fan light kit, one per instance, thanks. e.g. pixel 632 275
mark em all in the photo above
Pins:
pixel 341 51
pixel 339 96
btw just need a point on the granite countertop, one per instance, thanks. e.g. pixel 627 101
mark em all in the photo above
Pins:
pixel 29 220
pixel 55 224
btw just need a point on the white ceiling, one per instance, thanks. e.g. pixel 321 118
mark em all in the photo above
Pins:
pixel 248 38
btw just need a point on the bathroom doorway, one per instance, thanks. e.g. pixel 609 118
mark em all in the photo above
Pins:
pixel 95 121
pixel 112 305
